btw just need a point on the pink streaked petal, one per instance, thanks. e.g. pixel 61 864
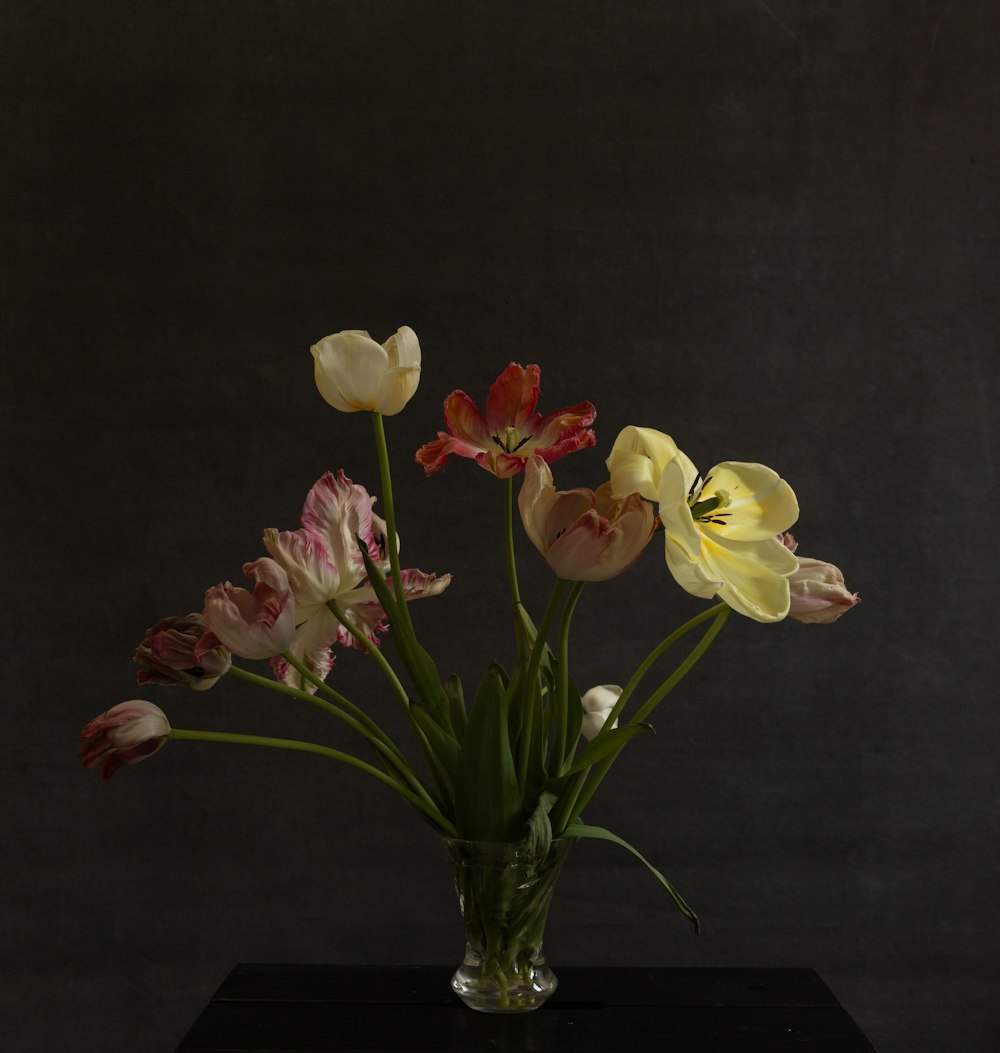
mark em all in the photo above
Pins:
pixel 369 618
pixel 340 512
pixel 304 557
pixel 311 646
pixel 465 422
pixel 512 398
pixel 418 584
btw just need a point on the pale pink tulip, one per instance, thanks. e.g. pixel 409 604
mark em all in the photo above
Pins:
pixel 818 593
pixel 125 734
pixel 585 535
pixel 182 650
pixel 260 624
pixel 511 432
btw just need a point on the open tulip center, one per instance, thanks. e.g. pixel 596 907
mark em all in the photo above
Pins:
pixel 706 509
pixel 511 441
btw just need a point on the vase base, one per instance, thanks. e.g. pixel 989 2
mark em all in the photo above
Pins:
pixel 527 992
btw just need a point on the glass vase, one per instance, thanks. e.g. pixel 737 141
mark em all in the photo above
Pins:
pixel 504 892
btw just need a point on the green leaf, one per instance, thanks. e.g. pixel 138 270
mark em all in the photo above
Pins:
pixel 418 662
pixel 456 705
pixel 605 745
pixel 488 806
pixel 598 832
pixel 442 744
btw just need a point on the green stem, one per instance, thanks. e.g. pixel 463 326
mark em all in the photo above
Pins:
pixel 550 611
pixel 650 660
pixel 361 722
pixel 372 649
pixel 562 715
pixel 508 526
pixel 577 799
pixel 387 669
pixel 684 668
pixel 531 682
pixel 390 515
pixel 436 818
pixel 345 703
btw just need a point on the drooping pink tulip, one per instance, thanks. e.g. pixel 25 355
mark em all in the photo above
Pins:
pixel 125 734
pixel 584 535
pixel 182 650
pixel 258 624
pixel 818 593
pixel 511 431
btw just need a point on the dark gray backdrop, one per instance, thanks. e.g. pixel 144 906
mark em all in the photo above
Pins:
pixel 769 229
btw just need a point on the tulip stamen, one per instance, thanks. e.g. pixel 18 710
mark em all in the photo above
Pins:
pixel 703 509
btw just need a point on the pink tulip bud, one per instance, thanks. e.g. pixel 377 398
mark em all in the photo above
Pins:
pixel 125 734
pixel 181 650
pixel 818 593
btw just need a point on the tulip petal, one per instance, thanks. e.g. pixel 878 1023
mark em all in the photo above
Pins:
pixel 638 458
pixel 513 398
pixel 340 512
pixel 761 503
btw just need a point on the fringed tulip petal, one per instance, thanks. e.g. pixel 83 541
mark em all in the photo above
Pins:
pixel 258 624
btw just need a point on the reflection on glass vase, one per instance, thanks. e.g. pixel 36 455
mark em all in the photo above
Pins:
pixel 504 892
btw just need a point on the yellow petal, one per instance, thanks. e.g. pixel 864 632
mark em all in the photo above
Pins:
pixel 761 504
pixel 637 460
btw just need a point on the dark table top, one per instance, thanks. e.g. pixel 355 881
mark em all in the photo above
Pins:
pixel 411 1009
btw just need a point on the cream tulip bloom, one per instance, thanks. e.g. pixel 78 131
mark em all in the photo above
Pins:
pixel 597 705
pixel 721 534
pixel 355 373
pixel 637 460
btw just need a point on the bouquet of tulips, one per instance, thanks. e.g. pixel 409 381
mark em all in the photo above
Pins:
pixel 518 758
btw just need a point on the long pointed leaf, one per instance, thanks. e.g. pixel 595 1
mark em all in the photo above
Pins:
pixel 488 806
pixel 607 745
pixel 598 832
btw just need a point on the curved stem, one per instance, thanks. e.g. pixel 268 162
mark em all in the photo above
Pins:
pixel 430 812
pixel 361 722
pixel 508 526
pixel 563 688
pixel 577 799
pixel 657 652
pixel 345 703
pixel 684 668
pixel 372 649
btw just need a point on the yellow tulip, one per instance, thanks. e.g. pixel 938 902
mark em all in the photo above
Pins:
pixel 721 534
